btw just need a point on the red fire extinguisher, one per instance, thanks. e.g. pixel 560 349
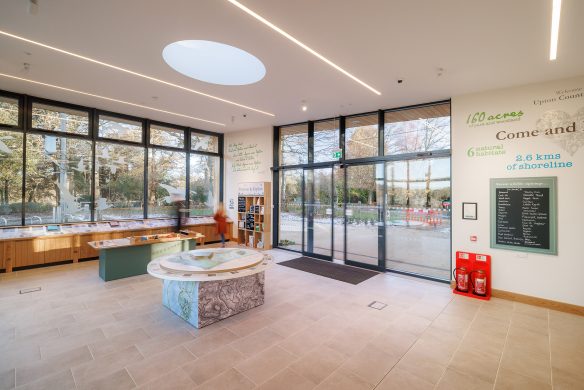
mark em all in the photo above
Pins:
pixel 479 282
pixel 461 277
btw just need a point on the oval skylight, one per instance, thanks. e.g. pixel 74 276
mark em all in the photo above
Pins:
pixel 214 62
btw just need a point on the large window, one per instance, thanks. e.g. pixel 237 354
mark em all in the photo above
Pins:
pixel 119 182
pixel 61 164
pixel 58 179
pixel 361 136
pixel 10 178
pixel 326 140
pixel 204 184
pixel 204 142
pixel 294 145
pixel 65 120
pixel 422 129
pixel 167 173
pixel 8 111
pixel 118 128
pixel 166 136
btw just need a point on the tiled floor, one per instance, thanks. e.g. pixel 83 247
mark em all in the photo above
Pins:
pixel 312 332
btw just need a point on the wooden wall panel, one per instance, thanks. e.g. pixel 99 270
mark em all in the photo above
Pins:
pixel 2 256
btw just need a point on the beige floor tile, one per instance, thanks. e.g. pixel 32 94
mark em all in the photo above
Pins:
pixel 350 340
pixel 448 323
pixel 526 321
pixel 427 370
pixel 18 355
pixel 536 341
pixel 213 364
pixel 63 344
pixel 371 364
pixel 305 341
pixel 476 363
pixel 530 310
pixel 105 365
pixel 157 365
pixel 394 342
pixel 228 380
pixel 454 380
pixel 318 364
pixel 62 380
pixel 342 380
pixel 164 342
pixel 174 380
pixel 41 336
pixel 525 361
pixel 265 364
pixel 256 342
pixel 7 378
pixel 118 343
pixel 289 380
pixel 477 340
pixel 119 380
pixel 399 379
pixel 250 325
pixel 43 368
pixel 510 380
pixel 566 380
pixel 291 324
pixel 410 323
pixel 209 343
pixel 569 362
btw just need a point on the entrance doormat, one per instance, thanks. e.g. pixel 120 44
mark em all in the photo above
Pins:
pixel 343 273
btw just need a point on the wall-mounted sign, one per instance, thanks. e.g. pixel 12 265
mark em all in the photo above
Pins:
pixel 250 189
pixel 523 214
pixel 469 210
pixel 337 154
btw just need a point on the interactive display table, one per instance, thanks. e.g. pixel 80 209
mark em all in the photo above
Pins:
pixel 125 257
pixel 207 285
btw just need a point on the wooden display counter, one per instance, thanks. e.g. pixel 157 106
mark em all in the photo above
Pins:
pixel 23 247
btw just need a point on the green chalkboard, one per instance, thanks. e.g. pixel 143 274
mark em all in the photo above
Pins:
pixel 524 214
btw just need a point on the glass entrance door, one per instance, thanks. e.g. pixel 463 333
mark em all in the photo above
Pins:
pixel 364 193
pixel 318 212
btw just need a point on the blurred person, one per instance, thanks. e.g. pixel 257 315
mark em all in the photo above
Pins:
pixel 221 219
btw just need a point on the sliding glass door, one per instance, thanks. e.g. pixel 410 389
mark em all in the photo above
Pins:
pixel 363 213
pixel 318 212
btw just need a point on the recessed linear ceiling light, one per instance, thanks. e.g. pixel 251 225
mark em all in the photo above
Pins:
pixel 214 62
pixel 302 45
pixel 7 34
pixel 555 32
pixel 110 99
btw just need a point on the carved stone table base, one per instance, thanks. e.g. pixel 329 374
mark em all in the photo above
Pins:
pixel 203 303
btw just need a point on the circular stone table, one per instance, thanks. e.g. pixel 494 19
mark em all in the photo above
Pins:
pixel 204 286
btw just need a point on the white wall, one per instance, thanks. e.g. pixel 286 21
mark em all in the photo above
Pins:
pixel 248 158
pixel 552 104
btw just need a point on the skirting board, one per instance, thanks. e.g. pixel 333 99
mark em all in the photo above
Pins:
pixel 535 301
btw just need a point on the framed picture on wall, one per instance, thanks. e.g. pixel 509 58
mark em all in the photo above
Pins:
pixel 469 210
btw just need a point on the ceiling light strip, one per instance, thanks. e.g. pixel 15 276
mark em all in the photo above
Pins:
pixel 302 45
pixel 555 32
pixel 110 99
pixel 130 72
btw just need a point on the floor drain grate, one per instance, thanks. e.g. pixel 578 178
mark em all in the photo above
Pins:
pixel 377 305
pixel 30 290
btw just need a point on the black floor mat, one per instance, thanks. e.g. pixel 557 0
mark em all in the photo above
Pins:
pixel 344 273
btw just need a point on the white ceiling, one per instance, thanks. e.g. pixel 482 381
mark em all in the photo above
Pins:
pixel 481 45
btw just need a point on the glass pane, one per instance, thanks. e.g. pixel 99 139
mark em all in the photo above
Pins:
pixel 318 210
pixel 290 223
pixel 361 136
pixel 205 142
pixel 418 217
pixel 10 178
pixel 167 178
pixel 326 140
pixel 58 179
pixel 60 119
pixel 204 184
pixel 119 186
pixel 420 129
pixel 339 213
pixel 8 111
pixel 117 128
pixel 364 188
pixel 294 145
pixel 166 136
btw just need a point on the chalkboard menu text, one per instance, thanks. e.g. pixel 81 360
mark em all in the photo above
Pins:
pixel 523 214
